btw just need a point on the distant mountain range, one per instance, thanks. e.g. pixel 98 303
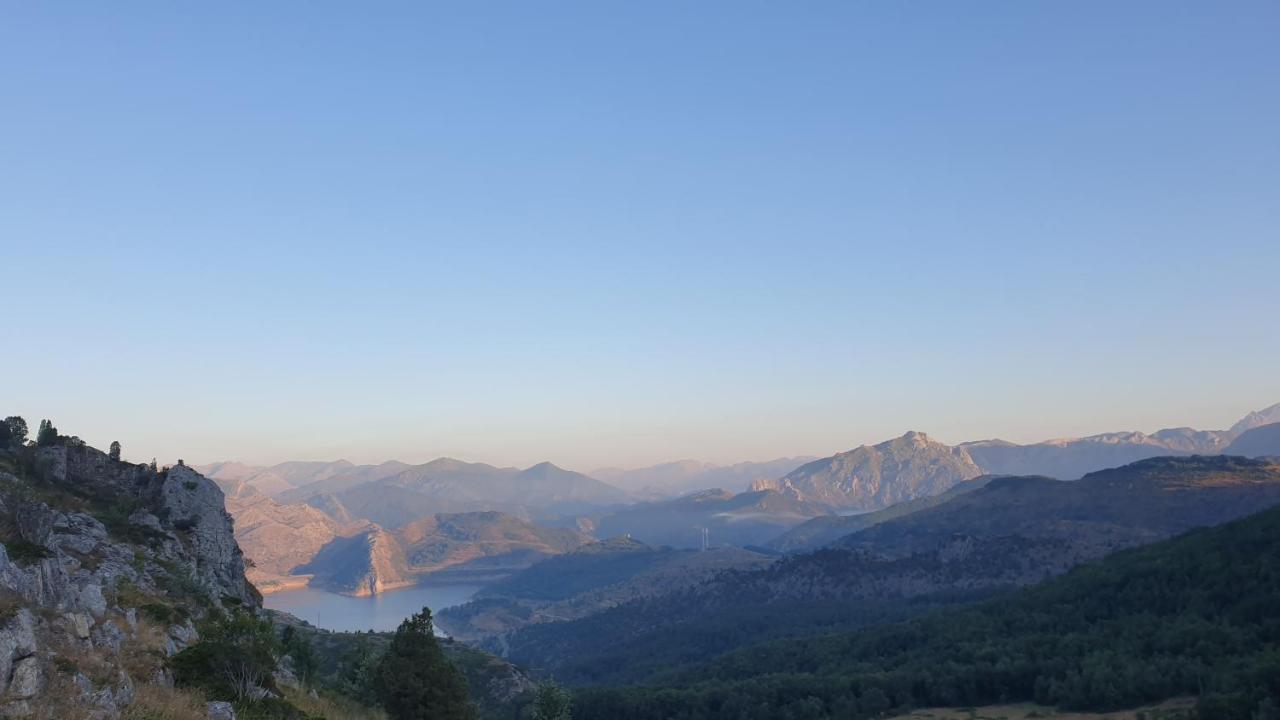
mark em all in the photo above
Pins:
pixel 287 514
pixel 682 477
pixel 292 545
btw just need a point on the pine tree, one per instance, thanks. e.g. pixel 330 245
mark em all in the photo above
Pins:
pixel 415 681
pixel 47 435
pixel 552 702
pixel 115 450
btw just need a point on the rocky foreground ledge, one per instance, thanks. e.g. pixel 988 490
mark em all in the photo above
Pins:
pixel 105 567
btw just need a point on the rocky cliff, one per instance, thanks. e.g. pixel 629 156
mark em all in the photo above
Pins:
pixel 104 565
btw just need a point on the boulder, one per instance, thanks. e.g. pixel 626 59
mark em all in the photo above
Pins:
pixel 27 680
pixel 79 624
pixel 220 710
pixel 17 641
pixel 108 636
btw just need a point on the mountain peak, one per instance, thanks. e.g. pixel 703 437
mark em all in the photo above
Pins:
pixel 1257 418
pixel 913 438
pixel 874 476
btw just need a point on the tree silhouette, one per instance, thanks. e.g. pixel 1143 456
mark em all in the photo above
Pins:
pixel 17 430
pixel 47 435
pixel 115 450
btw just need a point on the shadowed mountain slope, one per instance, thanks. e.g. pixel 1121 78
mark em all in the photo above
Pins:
pixel 1261 441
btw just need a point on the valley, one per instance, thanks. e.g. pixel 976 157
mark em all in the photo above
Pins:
pixel 841 580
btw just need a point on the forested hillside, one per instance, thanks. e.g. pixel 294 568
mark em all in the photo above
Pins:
pixel 1012 532
pixel 1190 616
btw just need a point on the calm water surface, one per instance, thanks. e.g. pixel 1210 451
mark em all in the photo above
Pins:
pixel 380 612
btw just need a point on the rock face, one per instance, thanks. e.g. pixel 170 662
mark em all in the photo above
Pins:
pixel 84 541
pixel 872 477
pixel 197 506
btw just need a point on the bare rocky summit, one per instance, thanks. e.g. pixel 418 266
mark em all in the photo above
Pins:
pixel 872 477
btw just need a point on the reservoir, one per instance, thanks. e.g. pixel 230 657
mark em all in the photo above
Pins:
pixel 382 612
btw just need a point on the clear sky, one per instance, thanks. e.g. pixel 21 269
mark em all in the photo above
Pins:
pixel 619 233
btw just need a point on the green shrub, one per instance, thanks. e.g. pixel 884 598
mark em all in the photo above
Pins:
pixel 159 612
pixel 23 551
pixel 235 654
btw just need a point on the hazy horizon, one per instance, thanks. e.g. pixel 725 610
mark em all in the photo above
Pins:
pixel 101 440
pixel 620 234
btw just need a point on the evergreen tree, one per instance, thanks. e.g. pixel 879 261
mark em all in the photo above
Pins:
pixel 47 435
pixel 415 681
pixel 300 649
pixel 360 672
pixel 115 450
pixel 17 430
pixel 552 702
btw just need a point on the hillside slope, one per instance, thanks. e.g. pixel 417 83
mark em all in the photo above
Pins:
pixel 1014 531
pixel 1261 441
pixel 815 533
pixel 446 541
pixel 728 518
pixel 589 580
pixel 1162 621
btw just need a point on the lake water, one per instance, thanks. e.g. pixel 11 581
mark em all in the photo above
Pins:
pixel 379 612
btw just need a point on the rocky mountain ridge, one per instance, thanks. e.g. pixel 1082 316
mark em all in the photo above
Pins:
pixel 872 477
pixel 914 466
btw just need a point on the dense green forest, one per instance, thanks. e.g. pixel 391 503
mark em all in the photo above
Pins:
pixel 1196 615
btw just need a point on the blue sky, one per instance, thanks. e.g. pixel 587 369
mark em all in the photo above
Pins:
pixel 619 233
